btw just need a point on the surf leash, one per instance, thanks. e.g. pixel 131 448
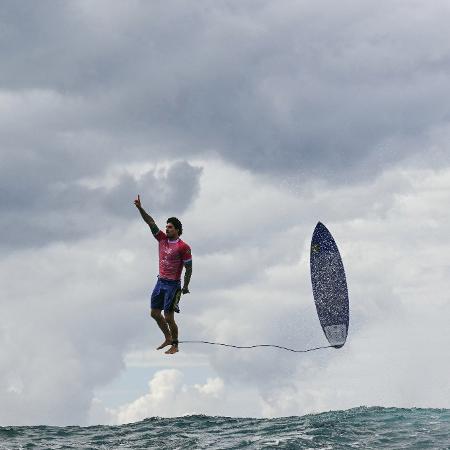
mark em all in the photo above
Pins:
pixel 256 346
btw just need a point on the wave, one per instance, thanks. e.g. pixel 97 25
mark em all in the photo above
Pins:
pixel 362 427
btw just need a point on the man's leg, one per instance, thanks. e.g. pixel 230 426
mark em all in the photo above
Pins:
pixel 156 314
pixel 170 320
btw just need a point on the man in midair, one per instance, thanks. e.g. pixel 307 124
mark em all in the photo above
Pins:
pixel 173 255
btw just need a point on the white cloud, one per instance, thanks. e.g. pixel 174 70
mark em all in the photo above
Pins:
pixel 213 387
pixel 169 395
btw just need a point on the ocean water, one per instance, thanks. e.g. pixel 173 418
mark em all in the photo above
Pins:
pixel 364 428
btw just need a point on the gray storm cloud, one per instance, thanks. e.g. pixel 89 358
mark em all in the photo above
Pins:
pixel 37 211
pixel 290 87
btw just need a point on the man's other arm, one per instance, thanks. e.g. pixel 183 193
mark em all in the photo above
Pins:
pixel 187 276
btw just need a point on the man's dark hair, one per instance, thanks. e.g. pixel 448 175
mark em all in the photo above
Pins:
pixel 177 224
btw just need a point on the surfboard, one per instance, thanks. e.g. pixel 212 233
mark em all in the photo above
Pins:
pixel 329 286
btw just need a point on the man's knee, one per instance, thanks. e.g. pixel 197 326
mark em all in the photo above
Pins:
pixel 168 315
pixel 156 314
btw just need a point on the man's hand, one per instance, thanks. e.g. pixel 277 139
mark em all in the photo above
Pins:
pixel 185 290
pixel 137 202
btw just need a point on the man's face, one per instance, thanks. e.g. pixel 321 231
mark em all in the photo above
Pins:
pixel 171 231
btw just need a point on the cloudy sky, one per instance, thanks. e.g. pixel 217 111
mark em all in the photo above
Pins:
pixel 250 121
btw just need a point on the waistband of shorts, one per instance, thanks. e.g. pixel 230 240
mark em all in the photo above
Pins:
pixel 166 280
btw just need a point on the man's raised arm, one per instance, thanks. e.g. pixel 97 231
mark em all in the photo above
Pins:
pixel 147 218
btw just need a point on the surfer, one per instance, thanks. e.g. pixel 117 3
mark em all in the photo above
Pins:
pixel 173 255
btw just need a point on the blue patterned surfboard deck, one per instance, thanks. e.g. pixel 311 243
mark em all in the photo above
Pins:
pixel 329 286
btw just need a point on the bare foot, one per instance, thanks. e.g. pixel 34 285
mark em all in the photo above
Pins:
pixel 164 344
pixel 172 350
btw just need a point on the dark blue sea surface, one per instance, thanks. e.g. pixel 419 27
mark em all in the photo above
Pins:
pixel 364 428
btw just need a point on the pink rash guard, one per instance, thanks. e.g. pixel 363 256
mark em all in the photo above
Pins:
pixel 172 256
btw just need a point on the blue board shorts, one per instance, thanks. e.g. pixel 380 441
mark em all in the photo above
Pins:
pixel 166 295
